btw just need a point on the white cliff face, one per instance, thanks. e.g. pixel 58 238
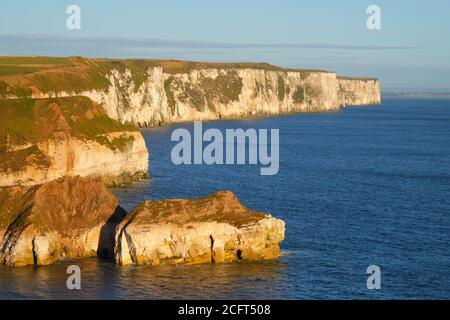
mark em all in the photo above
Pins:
pixel 128 104
pixel 208 94
pixel 359 91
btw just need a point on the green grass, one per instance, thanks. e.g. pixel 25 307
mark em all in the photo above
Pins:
pixel 194 96
pixel 168 83
pixel 121 142
pixel 18 119
pixel 138 69
pixel 26 65
pixel 78 74
pixel 281 88
pixel 313 91
pixel 226 87
pixel 299 95
pixel 34 60
pixel 6 70
pixel 3 88
pixel 31 121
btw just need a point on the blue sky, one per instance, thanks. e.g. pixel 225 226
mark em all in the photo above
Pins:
pixel 411 51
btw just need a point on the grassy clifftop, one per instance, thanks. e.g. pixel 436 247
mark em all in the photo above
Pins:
pixel 24 123
pixel 21 76
pixel 29 121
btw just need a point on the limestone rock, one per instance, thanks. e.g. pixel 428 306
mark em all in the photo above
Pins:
pixel 71 217
pixel 216 228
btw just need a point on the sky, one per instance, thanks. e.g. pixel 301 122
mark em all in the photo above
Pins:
pixel 411 51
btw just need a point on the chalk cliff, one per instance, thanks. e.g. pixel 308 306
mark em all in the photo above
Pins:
pixel 43 140
pixel 358 91
pixel 150 92
pixel 216 229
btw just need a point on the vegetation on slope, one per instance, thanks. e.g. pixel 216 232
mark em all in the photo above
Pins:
pixel 29 121
pixel 299 95
pixel 281 88
pixel 225 88
pixel 20 76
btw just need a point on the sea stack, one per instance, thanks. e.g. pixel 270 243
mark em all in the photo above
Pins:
pixel 216 228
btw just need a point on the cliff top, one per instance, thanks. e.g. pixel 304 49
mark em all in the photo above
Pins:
pixel 10 66
pixel 357 78
pixel 20 76
pixel 221 207
pixel 85 196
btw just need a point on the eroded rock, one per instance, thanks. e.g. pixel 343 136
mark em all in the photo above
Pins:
pixel 217 228
pixel 71 217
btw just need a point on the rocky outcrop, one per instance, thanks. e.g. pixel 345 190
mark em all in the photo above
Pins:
pixel 216 228
pixel 148 92
pixel 43 140
pixel 66 218
pixel 75 217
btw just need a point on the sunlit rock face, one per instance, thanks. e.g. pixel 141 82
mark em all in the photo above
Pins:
pixel 72 217
pixel 83 114
pixel 213 229
pixel 208 94
pixel 76 217
pixel 43 140
pixel 154 92
pixel 354 91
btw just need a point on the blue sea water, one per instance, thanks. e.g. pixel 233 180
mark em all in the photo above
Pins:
pixel 363 186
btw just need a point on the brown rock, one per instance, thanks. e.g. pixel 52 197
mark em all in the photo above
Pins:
pixel 216 228
pixel 71 217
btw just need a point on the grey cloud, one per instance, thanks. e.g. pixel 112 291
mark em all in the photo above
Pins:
pixel 38 43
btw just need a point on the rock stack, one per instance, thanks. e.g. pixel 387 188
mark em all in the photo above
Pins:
pixel 76 217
